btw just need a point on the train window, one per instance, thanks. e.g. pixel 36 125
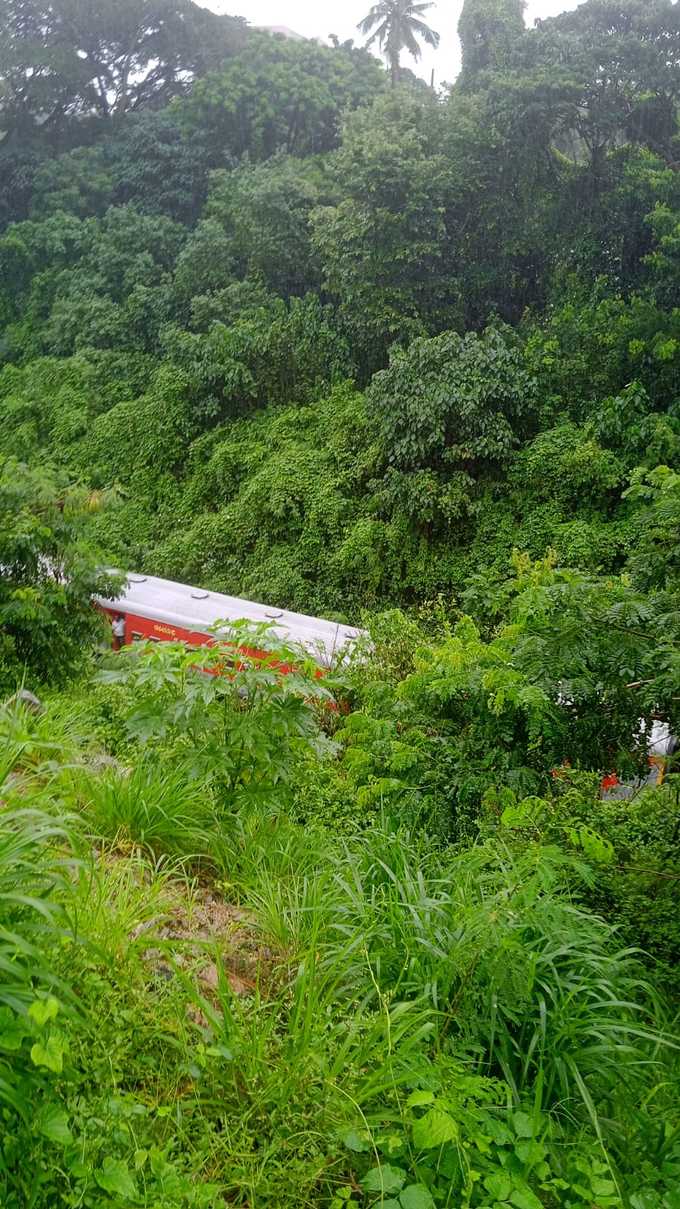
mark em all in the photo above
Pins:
pixel 136 636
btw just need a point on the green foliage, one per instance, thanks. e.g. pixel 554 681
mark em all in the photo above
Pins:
pixel 103 283
pixel 568 464
pixel 629 842
pixel 384 245
pixel 344 220
pixel 265 210
pixel 452 402
pixel 246 725
pixel 490 33
pixel 432 1011
pixel 29 875
pixel 655 551
pixel 386 937
pixel 279 96
pixel 269 503
pixel 165 811
pixel 461 1136
pixel 48 576
pixel 68 59
pixel 643 40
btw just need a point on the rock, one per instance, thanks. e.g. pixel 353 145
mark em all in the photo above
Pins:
pixel 146 926
pixel 210 976
pixel 27 700
pixel 239 986
pixel 197 1017
pixel 101 762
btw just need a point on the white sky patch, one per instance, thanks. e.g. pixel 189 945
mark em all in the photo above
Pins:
pixel 319 18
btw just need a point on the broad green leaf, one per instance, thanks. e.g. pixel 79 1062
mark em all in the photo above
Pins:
pixel 530 1152
pixel 158 1162
pixel 115 1177
pixel 384 1179
pixel 645 1200
pixel 390 1145
pixel 498 1185
pixel 53 1124
pixel 356 1141
pixel 602 1187
pixel 526 813
pixel 78 1169
pixel 595 846
pixel 524 1198
pixel 418 1099
pixel 416 1196
pixel 524 1127
pixel 434 1129
pixel 498 1131
pixel 44 1010
pixel 341 1197
pixel 49 1053
pixel 13 1030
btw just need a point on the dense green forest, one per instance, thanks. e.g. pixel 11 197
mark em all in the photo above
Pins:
pixel 285 322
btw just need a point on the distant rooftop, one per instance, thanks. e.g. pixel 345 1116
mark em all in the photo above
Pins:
pixel 283 30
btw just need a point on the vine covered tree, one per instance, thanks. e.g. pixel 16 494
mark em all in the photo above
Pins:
pixel 397 25
pixel 488 31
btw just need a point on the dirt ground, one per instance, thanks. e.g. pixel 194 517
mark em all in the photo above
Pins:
pixel 209 937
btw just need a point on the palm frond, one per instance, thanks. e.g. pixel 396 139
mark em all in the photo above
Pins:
pixel 399 28
pixel 428 35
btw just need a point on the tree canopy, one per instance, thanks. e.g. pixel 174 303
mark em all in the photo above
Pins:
pixel 67 59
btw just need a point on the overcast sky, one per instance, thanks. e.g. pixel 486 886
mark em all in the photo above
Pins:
pixel 319 18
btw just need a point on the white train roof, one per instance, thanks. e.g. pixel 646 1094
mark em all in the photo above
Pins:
pixel 197 609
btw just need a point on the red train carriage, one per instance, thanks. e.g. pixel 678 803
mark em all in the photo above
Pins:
pixel 163 611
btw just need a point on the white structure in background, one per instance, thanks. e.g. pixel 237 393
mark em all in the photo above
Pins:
pixel 282 31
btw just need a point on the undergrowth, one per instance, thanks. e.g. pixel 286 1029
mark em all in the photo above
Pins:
pixel 207 1002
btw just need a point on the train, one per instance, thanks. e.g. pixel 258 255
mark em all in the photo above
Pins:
pixel 160 610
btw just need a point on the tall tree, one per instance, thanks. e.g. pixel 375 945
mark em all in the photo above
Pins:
pixel 488 31
pixel 278 95
pixel 620 63
pixel 61 59
pixel 397 25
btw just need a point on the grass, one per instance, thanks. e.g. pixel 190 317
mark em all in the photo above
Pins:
pixel 161 810
pixel 48 739
pixel 387 966
pixel 31 870
pixel 507 964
